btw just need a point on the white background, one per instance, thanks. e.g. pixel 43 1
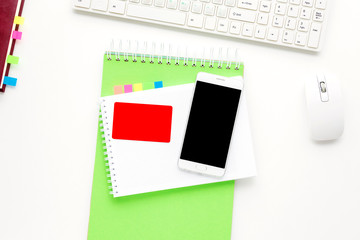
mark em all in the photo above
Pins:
pixel 305 190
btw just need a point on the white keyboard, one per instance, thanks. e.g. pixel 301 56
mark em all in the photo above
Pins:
pixel 292 23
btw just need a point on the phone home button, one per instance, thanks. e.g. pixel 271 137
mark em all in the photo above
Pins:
pixel 201 167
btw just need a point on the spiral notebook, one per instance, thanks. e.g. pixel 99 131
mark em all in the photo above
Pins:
pixel 145 166
pixel 196 212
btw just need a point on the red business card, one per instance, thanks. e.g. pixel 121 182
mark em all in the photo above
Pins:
pixel 142 122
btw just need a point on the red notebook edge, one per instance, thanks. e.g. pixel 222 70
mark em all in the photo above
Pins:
pixel 13 42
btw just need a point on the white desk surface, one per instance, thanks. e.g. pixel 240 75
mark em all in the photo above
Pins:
pixel 304 190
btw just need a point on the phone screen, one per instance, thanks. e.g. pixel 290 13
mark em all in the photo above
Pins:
pixel 211 122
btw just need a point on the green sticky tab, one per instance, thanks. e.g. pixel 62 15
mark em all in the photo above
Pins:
pixel 148 85
pixel 12 59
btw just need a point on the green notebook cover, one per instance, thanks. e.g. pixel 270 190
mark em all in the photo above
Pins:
pixel 202 212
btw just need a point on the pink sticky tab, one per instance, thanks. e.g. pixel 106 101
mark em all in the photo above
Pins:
pixel 128 88
pixel 17 35
pixel 118 89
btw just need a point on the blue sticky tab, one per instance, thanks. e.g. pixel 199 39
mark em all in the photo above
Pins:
pixel 10 81
pixel 158 84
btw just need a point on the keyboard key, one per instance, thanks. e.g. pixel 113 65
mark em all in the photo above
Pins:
pixel 196 7
pixel 146 2
pixel 314 36
pixel 318 15
pixel 230 3
pixel 300 39
pixel 305 13
pixel 242 15
pixel 280 8
pixel 308 3
pixel 209 9
pixel 157 14
pixel 159 3
pixel 290 23
pixel 184 5
pixel 195 20
pixel 206 1
pixel 248 30
pixel 273 34
pixel 283 1
pixel 263 18
pixel 295 2
pixel 210 23
pixel 222 11
pixel 320 4
pixel 235 27
pixel 100 5
pixel 278 21
pixel 82 3
pixel 218 2
pixel 293 11
pixel 288 37
pixel 249 4
pixel 135 1
pixel 172 4
pixel 260 32
pixel 265 6
pixel 303 25
pixel 222 25
pixel 116 6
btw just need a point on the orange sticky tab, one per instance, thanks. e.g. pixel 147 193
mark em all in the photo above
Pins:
pixel 118 89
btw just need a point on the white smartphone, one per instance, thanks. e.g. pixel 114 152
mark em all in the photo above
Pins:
pixel 210 124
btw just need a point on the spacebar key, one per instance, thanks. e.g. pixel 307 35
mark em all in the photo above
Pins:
pixel 156 14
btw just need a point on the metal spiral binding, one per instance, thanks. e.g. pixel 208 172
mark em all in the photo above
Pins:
pixel 108 53
pixel 152 53
pixel 109 159
pixel 168 56
pixel 177 58
pixel 132 48
pixel 228 62
pixel 143 57
pixel 238 62
pixel 160 56
pixel 134 58
pixel 220 59
pixel 117 53
pixel 186 58
pixel 126 53
pixel 211 63
pixel 202 63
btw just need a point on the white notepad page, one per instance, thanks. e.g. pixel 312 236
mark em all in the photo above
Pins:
pixel 139 167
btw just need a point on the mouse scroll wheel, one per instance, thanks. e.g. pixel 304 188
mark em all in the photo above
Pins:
pixel 322 87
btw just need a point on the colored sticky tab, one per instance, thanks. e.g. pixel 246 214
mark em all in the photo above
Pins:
pixel 158 84
pixel 10 81
pixel 128 88
pixel 19 20
pixel 12 59
pixel 17 35
pixel 138 87
pixel 118 89
pixel 148 85
pixel 142 122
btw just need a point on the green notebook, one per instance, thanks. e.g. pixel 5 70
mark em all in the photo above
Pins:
pixel 201 212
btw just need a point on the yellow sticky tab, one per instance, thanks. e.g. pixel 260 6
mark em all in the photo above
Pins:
pixel 19 20
pixel 137 87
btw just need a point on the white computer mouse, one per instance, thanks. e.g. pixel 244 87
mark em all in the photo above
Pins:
pixel 324 107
